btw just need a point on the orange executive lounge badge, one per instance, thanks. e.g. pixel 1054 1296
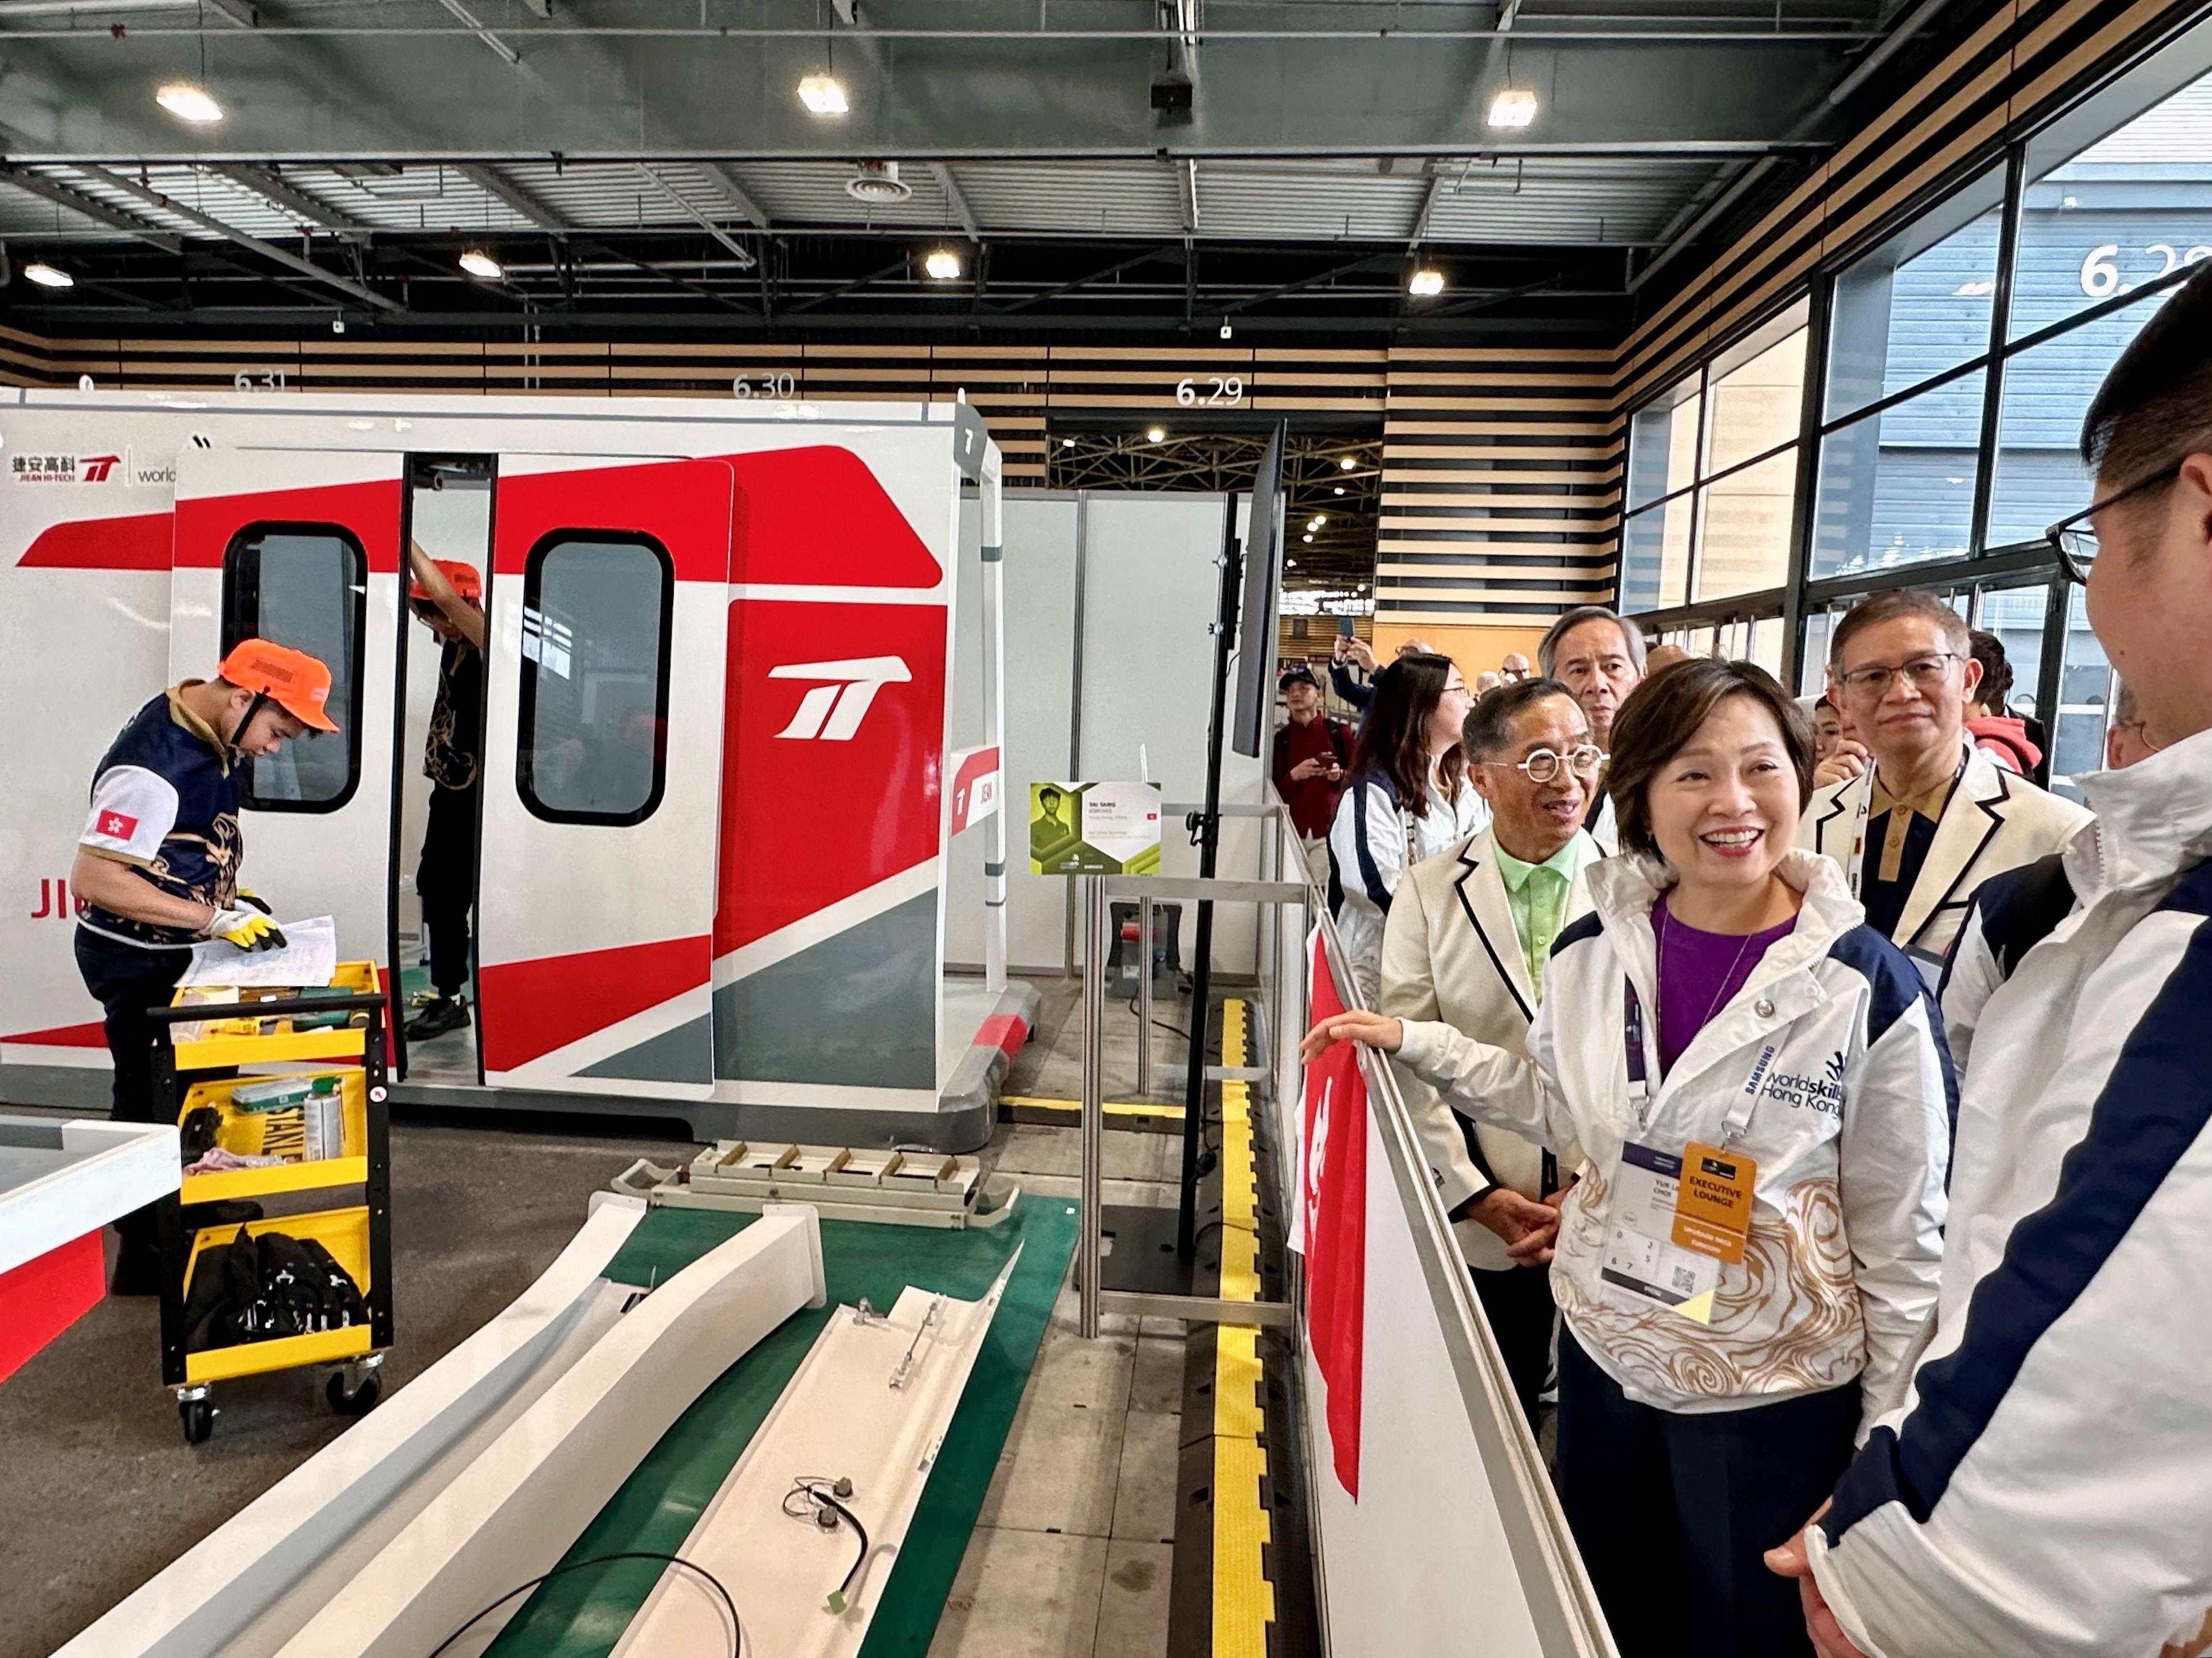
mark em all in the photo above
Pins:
pixel 1712 1204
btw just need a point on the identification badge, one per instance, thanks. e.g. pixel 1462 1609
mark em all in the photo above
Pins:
pixel 1641 1255
pixel 1712 1203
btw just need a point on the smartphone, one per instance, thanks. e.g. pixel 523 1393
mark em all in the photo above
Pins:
pixel 1344 629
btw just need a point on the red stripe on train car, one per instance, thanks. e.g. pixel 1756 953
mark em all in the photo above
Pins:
pixel 370 509
pixel 818 516
pixel 531 1008
pixel 140 542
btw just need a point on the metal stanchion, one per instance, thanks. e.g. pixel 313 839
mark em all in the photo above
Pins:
pixel 1144 1000
pixel 1089 1254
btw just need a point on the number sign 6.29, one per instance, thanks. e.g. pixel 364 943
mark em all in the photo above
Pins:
pixel 1209 388
pixel 2100 268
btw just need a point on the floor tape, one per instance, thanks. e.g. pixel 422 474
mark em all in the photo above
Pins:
pixel 1243 1598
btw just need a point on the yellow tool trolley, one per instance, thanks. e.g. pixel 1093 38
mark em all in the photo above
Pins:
pixel 336 1035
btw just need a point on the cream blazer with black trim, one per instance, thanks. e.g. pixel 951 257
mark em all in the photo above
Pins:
pixel 1994 821
pixel 1450 951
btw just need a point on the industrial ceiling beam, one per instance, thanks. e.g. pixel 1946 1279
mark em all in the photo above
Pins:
pixel 238 14
pixel 474 25
pixel 742 254
pixel 77 201
pixel 268 250
pixel 1170 252
pixel 719 174
pixel 271 187
pixel 511 195
pixel 1419 233
pixel 955 200
pixel 1187 182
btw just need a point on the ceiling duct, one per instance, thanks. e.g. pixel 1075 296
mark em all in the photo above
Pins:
pixel 878 183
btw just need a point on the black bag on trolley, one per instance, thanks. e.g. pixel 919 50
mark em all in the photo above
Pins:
pixel 266 1288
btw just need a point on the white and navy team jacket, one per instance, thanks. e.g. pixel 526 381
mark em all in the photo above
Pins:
pixel 1372 842
pixel 1834 1042
pixel 2009 914
pixel 2045 1490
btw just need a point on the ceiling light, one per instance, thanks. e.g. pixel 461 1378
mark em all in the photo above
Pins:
pixel 1315 521
pixel 189 103
pixel 1156 434
pixel 46 277
pixel 1347 463
pixel 1068 443
pixel 943 264
pixel 1425 283
pixel 823 94
pixel 1293 562
pixel 478 263
pixel 1339 488
pixel 1309 536
pixel 1515 106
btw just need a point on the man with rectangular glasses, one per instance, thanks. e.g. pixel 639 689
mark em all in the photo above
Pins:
pixel 2045 1490
pixel 1931 816
pixel 1467 940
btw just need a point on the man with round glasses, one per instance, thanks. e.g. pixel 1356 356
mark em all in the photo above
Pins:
pixel 1930 817
pixel 1467 941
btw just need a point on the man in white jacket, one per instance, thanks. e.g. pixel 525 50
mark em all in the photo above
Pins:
pixel 2045 1490
pixel 1465 942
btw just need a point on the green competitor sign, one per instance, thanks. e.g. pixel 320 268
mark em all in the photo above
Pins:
pixel 1094 829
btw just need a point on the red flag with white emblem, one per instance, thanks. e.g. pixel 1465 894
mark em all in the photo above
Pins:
pixel 1332 1201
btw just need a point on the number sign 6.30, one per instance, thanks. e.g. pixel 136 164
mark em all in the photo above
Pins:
pixel 1209 388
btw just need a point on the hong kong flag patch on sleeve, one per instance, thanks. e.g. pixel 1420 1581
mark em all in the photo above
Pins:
pixel 115 825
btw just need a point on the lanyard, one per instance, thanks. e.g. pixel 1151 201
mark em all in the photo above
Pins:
pixel 1854 870
pixel 1738 1117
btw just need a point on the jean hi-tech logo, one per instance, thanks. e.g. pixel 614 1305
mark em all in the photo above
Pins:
pixel 1824 1092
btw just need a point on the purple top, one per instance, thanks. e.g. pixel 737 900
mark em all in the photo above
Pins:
pixel 1699 974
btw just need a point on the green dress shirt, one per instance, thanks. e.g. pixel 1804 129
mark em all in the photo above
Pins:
pixel 1537 894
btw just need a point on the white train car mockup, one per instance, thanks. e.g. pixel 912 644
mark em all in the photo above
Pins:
pixel 719 788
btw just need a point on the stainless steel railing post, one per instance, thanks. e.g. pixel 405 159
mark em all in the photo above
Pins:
pixel 1145 998
pixel 1089 1252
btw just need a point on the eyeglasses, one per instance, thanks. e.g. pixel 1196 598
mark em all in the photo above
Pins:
pixel 1927 674
pixel 1542 765
pixel 2075 538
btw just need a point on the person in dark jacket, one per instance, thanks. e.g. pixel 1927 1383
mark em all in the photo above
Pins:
pixel 1311 751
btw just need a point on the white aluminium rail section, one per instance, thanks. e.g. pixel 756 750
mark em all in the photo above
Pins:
pixel 871 1404
pixel 219 1596
pixel 991 486
pixel 516 1509
pixel 66 1179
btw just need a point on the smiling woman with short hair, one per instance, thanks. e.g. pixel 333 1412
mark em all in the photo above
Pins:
pixel 1723 1023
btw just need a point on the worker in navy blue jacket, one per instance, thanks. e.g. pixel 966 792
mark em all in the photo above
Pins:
pixel 157 864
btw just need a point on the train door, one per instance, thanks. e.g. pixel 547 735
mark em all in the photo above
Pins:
pixel 595 903
pixel 303 547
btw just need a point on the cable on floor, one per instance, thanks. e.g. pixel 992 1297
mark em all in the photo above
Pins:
pixel 737 1627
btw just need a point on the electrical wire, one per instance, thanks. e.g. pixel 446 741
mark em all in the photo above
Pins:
pixel 817 1489
pixel 736 1626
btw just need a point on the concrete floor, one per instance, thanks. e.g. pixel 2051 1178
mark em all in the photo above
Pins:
pixel 1070 1556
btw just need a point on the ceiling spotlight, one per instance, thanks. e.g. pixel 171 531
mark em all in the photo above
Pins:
pixel 1339 488
pixel 1514 107
pixel 943 264
pixel 1307 537
pixel 823 94
pixel 1315 521
pixel 1347 464
pixel 1293 562
pixel 46 277
pixel 189 103
pixel 1425 283
pixel 1068 443
pixel 477 263
pixel 1156 434
pixel 1226 330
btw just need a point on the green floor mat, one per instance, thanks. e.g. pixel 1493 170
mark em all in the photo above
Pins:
pixel 584 1613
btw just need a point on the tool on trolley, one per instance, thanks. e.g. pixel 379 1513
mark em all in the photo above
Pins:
pixel 288 1290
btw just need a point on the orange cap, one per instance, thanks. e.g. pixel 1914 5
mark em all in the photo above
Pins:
pixel 295 682
pixel 466 582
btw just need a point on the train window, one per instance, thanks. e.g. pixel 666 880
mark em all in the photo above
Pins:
pixel 304 586
pixel 592 742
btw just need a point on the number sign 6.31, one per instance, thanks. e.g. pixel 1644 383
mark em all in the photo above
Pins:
pixel 1209 388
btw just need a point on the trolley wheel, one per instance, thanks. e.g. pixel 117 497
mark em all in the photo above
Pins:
pixel 197 1415
pixel 357 1400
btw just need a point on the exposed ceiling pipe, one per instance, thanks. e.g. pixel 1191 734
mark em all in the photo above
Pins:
pixel 1153 36
pixel 1887 49
pixel 475 27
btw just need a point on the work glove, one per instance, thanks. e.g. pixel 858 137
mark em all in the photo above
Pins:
pixel 246 929
pixel 248 896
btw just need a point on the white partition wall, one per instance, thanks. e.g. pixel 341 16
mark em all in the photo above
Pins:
pixel 1110 598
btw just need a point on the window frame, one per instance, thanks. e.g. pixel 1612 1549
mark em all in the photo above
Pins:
pixel 228 623
pixel 530 667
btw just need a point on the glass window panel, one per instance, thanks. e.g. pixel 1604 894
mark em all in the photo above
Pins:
pixel 1766 644
pixel 595 622
pixel 2015 615
pixel 1756 404
pixel 1812 671
pixel 1918 304
pixel 304 586
pixel 1655 557
pixel 2085 702
pixel 2130 207
pixel 1662 443
pixel 1897 488
pixel 2039 476
pixel 1743 529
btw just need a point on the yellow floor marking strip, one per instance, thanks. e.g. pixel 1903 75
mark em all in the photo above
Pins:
pixel 1114 1107
pixel 1243 1598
